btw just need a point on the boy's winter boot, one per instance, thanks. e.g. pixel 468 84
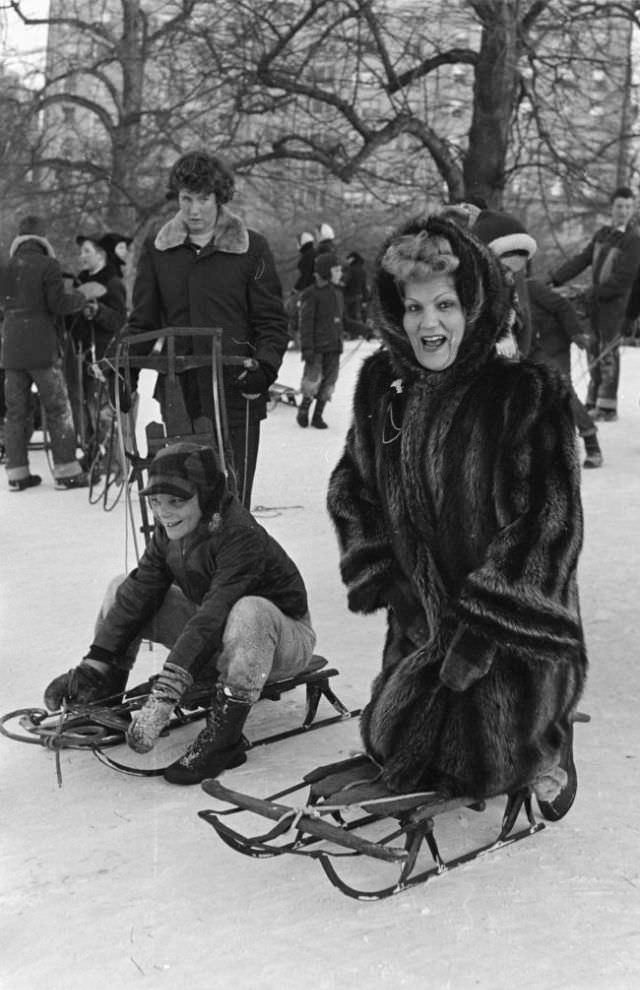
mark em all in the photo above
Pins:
pixel 557 807
pixel 592 449
pixel 149 722
pixel 218 747
pixel 302 416
pixel 317 419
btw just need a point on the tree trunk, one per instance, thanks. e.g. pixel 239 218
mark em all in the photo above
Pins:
pixel 494 99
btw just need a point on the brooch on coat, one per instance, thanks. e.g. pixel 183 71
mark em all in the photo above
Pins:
pixel 397 389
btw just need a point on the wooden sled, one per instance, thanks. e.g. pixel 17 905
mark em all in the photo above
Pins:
pixel 282 393
pixel 98 725
pixel 339 790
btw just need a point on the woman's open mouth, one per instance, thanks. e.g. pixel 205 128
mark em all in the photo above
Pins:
pixel 433 342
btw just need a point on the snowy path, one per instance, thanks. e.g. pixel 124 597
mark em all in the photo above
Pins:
pixel 113 881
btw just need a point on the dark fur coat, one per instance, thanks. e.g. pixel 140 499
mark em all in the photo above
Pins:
pixel 457 508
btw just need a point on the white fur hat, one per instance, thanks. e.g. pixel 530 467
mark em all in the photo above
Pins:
pixel 305 238
pixel 326 232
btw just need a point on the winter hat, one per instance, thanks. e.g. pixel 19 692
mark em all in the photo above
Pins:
pixel 95 236
pixel 111 240
pixel 184 470
pixel 324 263
pixel 503 234
pixel 305 238
pixel 326 233
pixel 32 224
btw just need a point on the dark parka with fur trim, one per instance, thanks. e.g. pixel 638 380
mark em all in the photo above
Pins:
pixel 457 507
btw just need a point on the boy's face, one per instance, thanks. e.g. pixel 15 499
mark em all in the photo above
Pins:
pixel 199 210
pixel 179 516
pixel 621 211
pixel 336 274
pixel 91 257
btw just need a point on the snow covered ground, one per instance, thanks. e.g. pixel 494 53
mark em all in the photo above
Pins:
pixel 113 880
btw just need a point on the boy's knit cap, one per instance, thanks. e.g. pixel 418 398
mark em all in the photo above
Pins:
pixel 184 470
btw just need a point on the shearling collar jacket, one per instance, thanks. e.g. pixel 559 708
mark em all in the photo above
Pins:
pixel 231 283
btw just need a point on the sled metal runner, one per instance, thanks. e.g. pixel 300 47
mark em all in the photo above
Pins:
pixel 337 791
pixel 100 725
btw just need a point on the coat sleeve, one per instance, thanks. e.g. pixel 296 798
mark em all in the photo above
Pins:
pixel 307 320
pixel 557 306
pixel 235 575
pixel 112 309
pixel 573 266
pixel 137 599
pixel 146 308
pixel 623 270
pixel 266 309
pixel 523 594
pixel 59 301
pixel 367 561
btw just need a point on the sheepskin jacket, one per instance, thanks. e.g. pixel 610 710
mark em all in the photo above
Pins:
pixel 457 508
pixel 230 283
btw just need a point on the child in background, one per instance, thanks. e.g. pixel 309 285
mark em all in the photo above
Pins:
pixel 321 331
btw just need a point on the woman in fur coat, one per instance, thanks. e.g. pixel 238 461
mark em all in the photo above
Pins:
pixel 457 508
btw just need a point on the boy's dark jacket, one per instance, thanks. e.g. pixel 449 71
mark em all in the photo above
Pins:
pixel 227 557
pixel 321 319
pixel 457 508
pixel 554 321
pixel 32 295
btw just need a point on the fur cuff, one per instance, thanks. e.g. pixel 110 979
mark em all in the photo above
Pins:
pixel 468 659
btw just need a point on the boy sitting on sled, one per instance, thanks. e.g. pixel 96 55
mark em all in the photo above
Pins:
pixel 216 589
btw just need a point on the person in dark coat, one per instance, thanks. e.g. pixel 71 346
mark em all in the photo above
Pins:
pixel 457 508
pixel 613 254
pixel 32 297
pixel 307 254
pixel 555 327
pixel 217 590
pixel 356 292
pixel 205 268
pixel 92 331
pixel 321 332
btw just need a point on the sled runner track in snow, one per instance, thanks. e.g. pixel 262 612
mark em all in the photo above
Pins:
pixel 341 789
pixel 101 725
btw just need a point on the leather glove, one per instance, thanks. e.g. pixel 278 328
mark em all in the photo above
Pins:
pixel 581 340
pixel 85 684
pixel 308 357
pixel 252 382
pixel 151 720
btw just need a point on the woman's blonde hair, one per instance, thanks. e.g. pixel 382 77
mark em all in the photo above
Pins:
pixel 418 257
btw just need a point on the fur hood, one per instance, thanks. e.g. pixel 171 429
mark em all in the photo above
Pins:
pixel 486 298
pixel 230 234
pixel 45 245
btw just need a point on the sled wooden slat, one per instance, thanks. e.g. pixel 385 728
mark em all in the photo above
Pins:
pixel 309 823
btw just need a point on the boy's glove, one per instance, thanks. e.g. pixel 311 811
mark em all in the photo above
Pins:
pixel 85 684
pixel 149 722
pixel 253 382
